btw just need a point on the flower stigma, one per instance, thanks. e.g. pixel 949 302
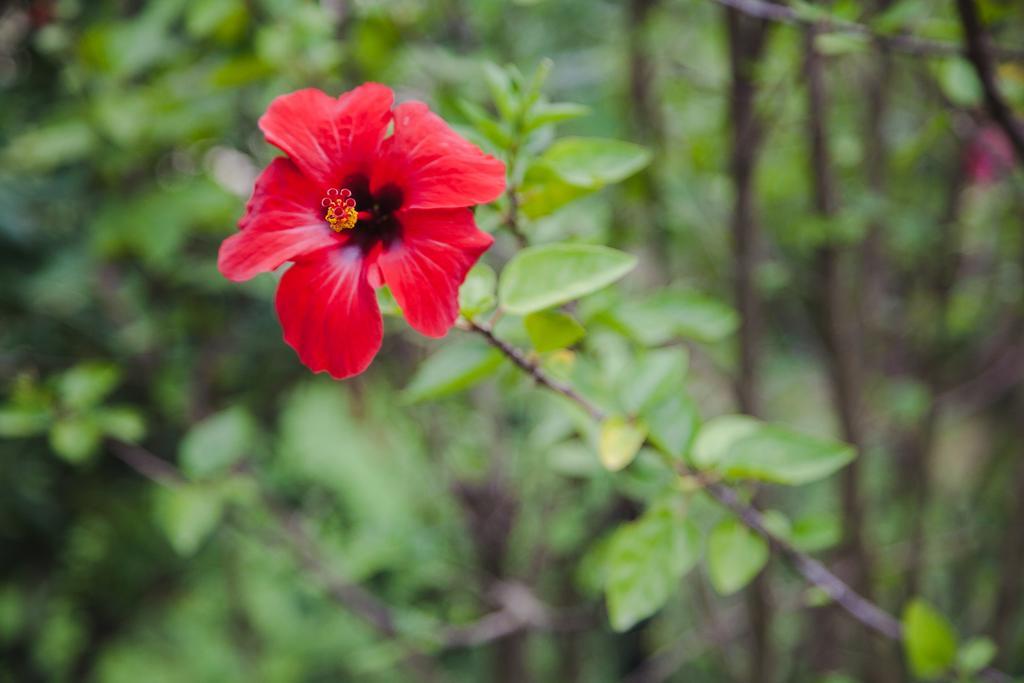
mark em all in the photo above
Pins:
pixel 341 209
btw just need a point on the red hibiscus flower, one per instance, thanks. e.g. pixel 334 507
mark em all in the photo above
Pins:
pixel 367 196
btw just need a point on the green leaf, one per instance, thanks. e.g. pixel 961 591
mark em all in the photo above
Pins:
pixel 477 295
pixel 807 11
pixel 672 423
pixel 816 597
pixel 51 145
pixel 594 162
pixel 718 435
pixel 75 438
pixel 536 85
pixel 744 447
pixel 780 455
pixel 542 277
pixel 454 368
pixel 777 524
pixel 657 374
pixel 902 15
pixel 573 458
pixel 975 655
pixel 544 114
pixel 735 556
pixel 502 90
pixel 815 533
pixel 120 422
pixel 216 443
pixel 19 421
pixel 544 191
pixel 14 611
pixel 239 71
pixel 835 677
pixel 495 132
pixel 960 82
pixel 835 44
pixel 85 385
pixel 675 313
pixel 619 442
pixel 188 515
pixel 574 167
pixel 928 640
pixel 222 19
pixel 552 330
pixel 645 560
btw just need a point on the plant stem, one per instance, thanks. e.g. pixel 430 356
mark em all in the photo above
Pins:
pixel 511 221
pixel 532 369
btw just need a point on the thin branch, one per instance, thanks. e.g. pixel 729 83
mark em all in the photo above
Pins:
pixel 910 45
pixel 151 467
pixel 533 370
pixel 864 611
pixel 814 572
pixel 511 219
pixel 520 611
pixel 487 629
pixel 980 55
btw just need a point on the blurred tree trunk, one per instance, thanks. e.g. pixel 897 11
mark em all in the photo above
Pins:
pixel 875 270
pixel 841 322
pixel 941 277
pixel 644 115
pixel 1010 590
pixel 747 39
pixel 458 30
pixel 491 509
pixel 876 165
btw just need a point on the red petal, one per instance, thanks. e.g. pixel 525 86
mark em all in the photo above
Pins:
pixel 329 312
pixel 282 221
pixel 425 266
pixel 435 167
pixel 327 138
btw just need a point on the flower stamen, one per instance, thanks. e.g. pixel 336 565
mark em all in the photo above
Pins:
pixel 341 209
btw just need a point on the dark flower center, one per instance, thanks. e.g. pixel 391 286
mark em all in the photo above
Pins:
pixel 370 216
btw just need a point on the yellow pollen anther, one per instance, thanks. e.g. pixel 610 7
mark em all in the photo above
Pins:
pixel 341 209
